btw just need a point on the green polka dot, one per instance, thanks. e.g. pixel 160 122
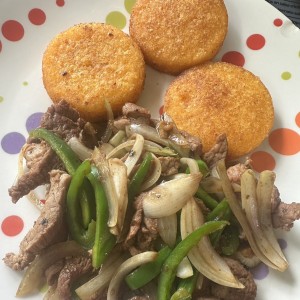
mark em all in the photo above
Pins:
pixel 129 4
pixel 299 53
pixel 25 83
pixel 116 19
pixel 1 99
pixel 286 75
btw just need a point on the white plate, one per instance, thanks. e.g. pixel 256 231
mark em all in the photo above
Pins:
pixel 267 43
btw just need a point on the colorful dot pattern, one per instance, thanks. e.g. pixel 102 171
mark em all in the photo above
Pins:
pixel 282 141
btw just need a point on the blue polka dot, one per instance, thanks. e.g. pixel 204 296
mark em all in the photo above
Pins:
pixel 33 121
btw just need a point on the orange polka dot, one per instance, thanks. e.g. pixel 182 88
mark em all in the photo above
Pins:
pixel 285 141
pixel 262 161
pixel 297 119
pixel 12 225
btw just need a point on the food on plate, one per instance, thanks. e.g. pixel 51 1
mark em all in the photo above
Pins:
pixel 177 35
pixel 143 211
pixel 90 63
pixel 217 98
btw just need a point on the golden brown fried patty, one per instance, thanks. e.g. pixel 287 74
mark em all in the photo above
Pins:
pixel 176 35
pixel 218 98
pixel 90 63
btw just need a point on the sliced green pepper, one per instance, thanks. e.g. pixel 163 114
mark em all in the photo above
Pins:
pixel 169 268
pixel 207 199
pixel 104 240
pixel 203 168
pixel 78 232
pixel 147 272
pixel 219 211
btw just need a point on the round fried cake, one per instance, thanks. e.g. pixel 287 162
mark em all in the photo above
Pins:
pixel 90 63
pixel 218 98
pixel 177 35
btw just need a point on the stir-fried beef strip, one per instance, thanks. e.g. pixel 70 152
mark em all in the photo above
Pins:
pixel 143 231
pixel 74 269
pixel 49 228
pixel 235 172
pixel 213 290
pixel 40 160
pixel 131 110
pixel 217 152
pixel 283 214
pixel 169 165
pixel 53 271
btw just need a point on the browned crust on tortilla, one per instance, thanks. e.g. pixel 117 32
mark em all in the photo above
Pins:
pixel 221 98
pixel 177 35
pixel 91 62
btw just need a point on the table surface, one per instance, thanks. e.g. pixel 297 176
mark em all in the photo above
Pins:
pixel 291 8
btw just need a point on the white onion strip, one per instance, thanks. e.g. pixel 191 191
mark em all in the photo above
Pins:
pixel 204 257
pixel 239 213
pixel 81 150
pixel 184 269
pixel 169 197
pixel 119 175
pixel 108 184
pixel 192 164
pixel 167 229
pixel 154 175
pixel 97 284
pixel 250 206
pixel 125 268
pixel 135 153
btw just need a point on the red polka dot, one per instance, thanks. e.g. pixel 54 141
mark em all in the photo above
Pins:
pixel 12 225
pixel 36 16
pixel 12 30
pixel 262 161
pixel 0 46
pixel 234 57
pixel 256 41
pixel 297 119
pixel 161 110
pixel 285 141
pixel 278 22
pixel 60 3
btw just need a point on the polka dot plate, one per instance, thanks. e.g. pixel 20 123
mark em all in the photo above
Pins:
pixel 260 39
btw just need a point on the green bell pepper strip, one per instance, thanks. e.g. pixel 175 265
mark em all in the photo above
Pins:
pixel 71 163
pixel 207 199
pixel 186 287
pixel 147 272
pixel 78 232
pixel 104 240
pixel 139 177
pixel 60 147
pixel 219 211
pixel 169 268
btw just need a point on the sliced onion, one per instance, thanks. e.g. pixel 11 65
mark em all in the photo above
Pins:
pixel 34 275
pixel 120 149
pixel 192 164
pixel 125 268
pixel 184 269
pixel 108 184
pixel 81 150
pixel 106 148
pixel 119 175
pixel 158 149
pixel 239 213
pixel 148 132
pixel 204 257
pixel 213 185
pixel 264 236
pixel 170 196
pixel 100 282
pixel 153 177
pixel 167 229
pixel 118 138
pixel 135 153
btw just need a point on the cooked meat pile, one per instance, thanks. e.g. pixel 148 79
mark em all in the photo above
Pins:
pixel 44 167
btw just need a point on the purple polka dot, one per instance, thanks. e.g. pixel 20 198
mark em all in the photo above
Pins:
pixel 282 243
pixel 12 142
pixel 33 121
pixel 260 272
